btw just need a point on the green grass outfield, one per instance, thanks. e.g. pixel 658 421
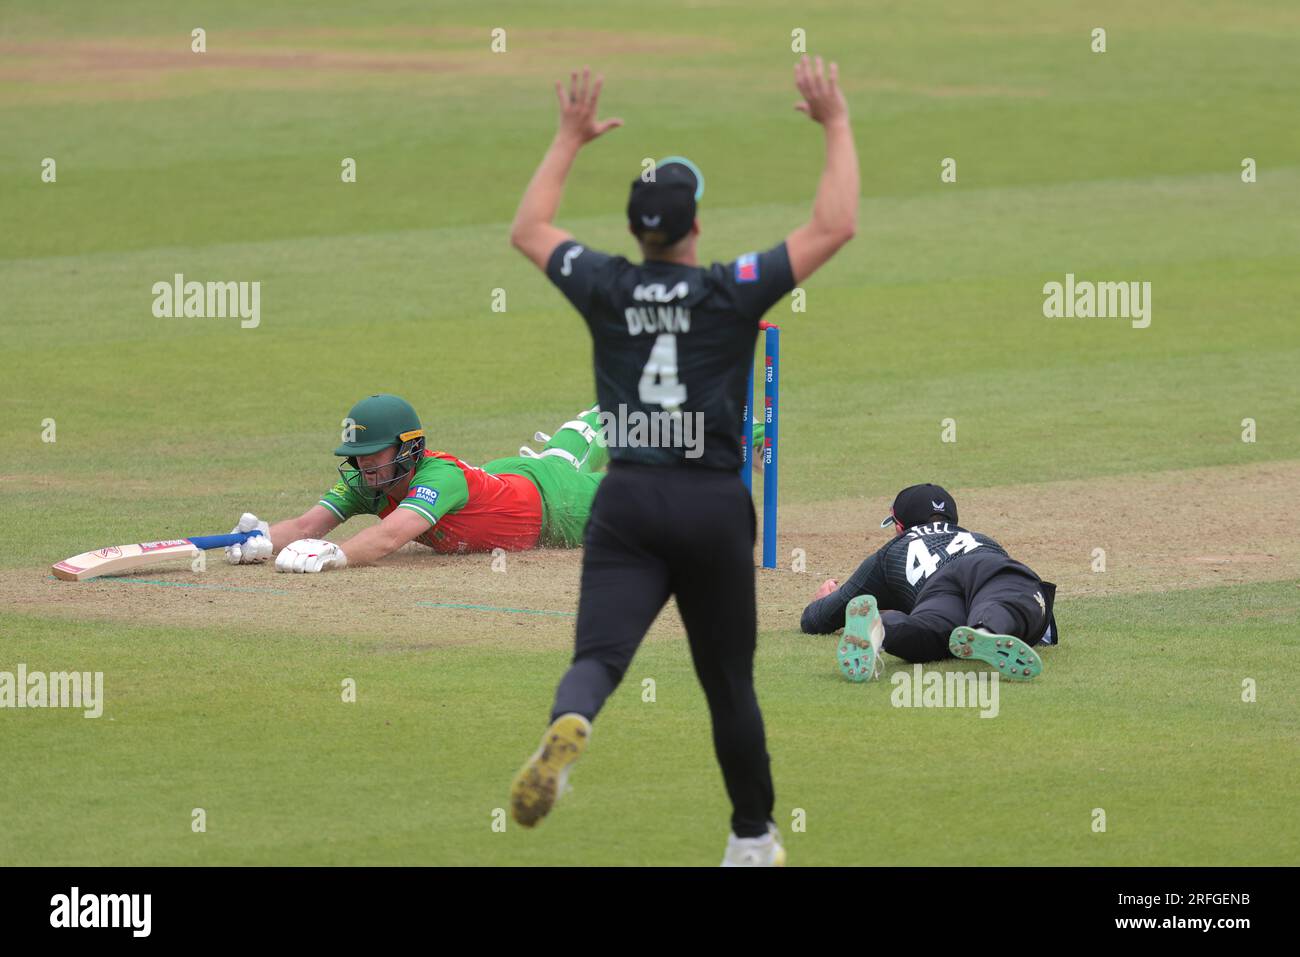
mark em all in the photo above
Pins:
pixel 1142 717
pixel 1116 166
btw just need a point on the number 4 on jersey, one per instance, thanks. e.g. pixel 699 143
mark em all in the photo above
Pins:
pixel 659 385
pixel 920 562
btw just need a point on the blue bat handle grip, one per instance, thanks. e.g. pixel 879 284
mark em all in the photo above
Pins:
pixel 221 541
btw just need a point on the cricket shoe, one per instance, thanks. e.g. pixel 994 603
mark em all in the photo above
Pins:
pixel 544 776
pixel 1012 657
pixel 765 851
pixel 864 633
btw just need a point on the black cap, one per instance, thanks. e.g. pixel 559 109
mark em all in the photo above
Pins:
pixel 916 503
pixel 661 211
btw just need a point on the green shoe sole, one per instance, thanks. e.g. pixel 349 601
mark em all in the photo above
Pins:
pixel 856 654
pixel 1008 654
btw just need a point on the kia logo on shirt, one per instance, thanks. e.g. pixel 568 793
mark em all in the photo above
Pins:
pixel 658 292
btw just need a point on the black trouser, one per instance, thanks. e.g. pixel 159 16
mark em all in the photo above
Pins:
pixel 660 531
pixel 986 591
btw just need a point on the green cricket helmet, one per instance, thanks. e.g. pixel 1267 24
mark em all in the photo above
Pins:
pixel 375 423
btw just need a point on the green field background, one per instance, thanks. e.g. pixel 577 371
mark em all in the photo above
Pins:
pixel 249 728
pixel 1116 166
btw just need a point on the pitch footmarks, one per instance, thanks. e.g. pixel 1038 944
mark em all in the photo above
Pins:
pixel 1008 654
pixel 540 781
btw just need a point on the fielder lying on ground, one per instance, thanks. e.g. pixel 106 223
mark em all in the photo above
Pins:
pixel 936 591
pixel 516 503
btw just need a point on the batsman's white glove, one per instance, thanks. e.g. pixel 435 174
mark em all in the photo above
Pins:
pixel 310 555
pixel 256 549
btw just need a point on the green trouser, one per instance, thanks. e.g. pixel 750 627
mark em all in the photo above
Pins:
pixel 566 494
pixel 567 473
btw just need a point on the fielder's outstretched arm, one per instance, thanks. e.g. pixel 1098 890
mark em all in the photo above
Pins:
pixel 835 210
pixel 826 613
pixel 534 232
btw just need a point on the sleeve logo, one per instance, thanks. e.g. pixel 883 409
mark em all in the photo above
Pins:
pixel 425 494
pixel 570 254
pixel 747 268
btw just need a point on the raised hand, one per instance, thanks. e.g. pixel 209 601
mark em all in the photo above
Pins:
pixel 578 108
pixel 823 100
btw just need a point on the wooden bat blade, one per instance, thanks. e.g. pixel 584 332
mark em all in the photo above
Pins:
pixel 120 558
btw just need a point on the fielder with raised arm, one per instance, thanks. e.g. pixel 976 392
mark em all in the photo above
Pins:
pixel 673 337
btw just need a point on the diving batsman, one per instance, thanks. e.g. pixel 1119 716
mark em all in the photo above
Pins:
pixel 532 500
pixel 535 499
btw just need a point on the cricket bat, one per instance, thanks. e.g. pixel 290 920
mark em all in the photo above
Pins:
pixel 120 558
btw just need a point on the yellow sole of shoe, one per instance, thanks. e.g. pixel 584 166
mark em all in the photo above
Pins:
pixel 533 793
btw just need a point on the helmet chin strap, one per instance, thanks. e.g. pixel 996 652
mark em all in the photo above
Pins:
pixel 385 487
pixel 408 455
pixel 404 477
